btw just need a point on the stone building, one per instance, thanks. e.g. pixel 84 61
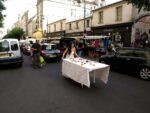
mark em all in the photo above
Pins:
pixel 32 26
pixel 57 28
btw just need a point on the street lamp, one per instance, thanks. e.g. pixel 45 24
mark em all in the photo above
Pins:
pixel 84 2
pixel 79 1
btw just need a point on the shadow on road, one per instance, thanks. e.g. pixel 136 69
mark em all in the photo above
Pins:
pixel 9 67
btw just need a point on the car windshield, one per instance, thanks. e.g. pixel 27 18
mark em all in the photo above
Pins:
pixel 4 46
pixel 49 47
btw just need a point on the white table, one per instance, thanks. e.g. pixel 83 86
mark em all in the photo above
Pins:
pixel 80 70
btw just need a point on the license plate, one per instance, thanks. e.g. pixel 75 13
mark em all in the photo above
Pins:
pixel 4 55
pixel 51 56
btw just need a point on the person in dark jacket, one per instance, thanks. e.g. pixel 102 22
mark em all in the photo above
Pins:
pixel 36 51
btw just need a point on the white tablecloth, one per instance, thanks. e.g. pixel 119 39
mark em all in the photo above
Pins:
pixel 80 70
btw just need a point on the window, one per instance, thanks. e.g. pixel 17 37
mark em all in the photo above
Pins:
pixel 87 23
pixel 69 26
pixel 119 13
pixel 77 25
pixel 101 17
pixel 54 27
pixel 61 25
pixel 4 46
pixel 14 45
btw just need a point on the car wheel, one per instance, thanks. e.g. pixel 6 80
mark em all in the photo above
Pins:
pixel 145 73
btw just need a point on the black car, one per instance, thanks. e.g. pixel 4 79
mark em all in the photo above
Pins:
pixel 135 61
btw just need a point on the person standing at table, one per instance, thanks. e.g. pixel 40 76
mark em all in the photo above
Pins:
pixel 70 51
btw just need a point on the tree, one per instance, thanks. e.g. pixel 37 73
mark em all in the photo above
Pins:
pixel 145 4
pixel 2 8
pixel 15 33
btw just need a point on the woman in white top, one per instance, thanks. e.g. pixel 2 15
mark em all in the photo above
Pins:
pixel 70 51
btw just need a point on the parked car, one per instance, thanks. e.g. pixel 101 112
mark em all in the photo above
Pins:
pixel 50 52
pixel 10 52
pixel 135 61
pixel 26 49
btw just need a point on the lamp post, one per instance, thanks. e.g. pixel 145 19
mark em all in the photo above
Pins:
pixel 84 29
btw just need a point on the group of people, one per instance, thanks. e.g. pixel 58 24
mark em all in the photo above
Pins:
pixel 70 52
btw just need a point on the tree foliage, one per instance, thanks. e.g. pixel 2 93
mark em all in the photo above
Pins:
pixel 2 8
pixel 15 33
pixel 145 4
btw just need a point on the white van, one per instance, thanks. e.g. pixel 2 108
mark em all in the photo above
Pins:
pixel 10 52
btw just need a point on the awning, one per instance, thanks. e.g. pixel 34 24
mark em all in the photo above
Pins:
pixel 95 37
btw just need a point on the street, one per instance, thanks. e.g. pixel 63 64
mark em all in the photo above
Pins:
pixel 28 90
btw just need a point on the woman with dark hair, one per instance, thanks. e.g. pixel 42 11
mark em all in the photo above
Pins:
pixel 70 51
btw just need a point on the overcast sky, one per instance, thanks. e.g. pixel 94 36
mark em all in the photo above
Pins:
pixel 15 7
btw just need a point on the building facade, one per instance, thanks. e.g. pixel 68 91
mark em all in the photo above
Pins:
pixel 57 28
pixel 117 20
pixel 76 28
pixel 39 6
pixel 114 20
pixel 47 11
pixel 24 22
pixel 32 26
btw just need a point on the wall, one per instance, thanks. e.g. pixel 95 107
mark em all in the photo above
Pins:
pixel 80 26
pixel 109 14
pixel 58 26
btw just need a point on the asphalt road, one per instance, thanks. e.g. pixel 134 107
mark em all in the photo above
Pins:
pixel 28 90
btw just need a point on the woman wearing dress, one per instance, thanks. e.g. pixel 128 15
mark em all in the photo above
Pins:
pixel 70 51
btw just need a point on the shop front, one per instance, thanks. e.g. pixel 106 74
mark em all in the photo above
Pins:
pixel 57 34
pixel 119 33
pixel 74 34
pixel 79 34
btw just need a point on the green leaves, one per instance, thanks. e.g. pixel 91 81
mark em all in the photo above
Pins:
pixel 145 4
pixel 15 33
pixel 2 7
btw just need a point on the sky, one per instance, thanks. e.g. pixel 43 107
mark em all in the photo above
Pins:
pixel 16 7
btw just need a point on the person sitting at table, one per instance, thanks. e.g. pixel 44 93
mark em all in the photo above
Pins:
pixel 70 51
